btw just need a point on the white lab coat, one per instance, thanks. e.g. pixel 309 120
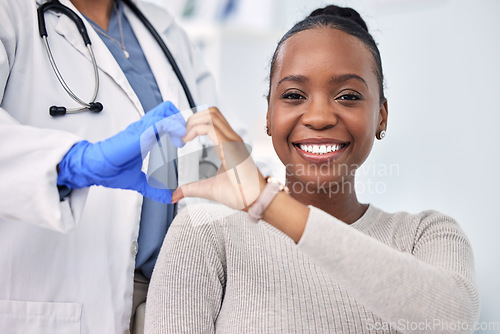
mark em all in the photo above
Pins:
pixel 67 267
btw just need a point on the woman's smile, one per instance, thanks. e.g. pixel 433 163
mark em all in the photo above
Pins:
pixel 320 150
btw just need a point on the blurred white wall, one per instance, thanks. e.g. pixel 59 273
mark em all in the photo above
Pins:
pixel 442 67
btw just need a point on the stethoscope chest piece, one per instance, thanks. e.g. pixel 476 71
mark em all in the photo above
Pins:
pixel 61 111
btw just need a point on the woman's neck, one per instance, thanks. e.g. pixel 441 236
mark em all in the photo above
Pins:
pixel 99 11
pixel 337 199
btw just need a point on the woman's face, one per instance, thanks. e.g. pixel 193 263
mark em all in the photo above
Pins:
pixel 324 107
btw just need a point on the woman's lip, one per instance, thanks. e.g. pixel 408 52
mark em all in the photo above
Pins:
pixel 320 158
pixel 319 141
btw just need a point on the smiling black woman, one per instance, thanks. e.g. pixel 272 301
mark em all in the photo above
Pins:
pixel 312 259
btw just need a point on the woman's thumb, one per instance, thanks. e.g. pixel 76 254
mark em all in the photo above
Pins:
pixel 194 189
pixel 177 195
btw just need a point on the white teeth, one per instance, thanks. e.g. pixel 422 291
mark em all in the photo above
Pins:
pixel 320 149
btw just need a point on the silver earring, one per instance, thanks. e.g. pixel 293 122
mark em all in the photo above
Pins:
pixel 382 134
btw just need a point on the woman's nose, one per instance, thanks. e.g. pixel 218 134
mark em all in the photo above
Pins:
pixel 319 115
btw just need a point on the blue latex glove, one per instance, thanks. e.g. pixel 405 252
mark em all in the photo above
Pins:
pixel 116 162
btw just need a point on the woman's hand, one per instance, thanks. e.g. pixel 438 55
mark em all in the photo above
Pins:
pixel 238 182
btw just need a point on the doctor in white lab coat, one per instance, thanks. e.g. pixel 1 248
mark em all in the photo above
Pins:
pixel 68 266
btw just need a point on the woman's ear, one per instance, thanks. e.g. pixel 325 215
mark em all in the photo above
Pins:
pixel 382 118
pixel 268 122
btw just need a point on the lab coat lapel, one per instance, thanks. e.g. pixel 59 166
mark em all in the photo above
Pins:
pixel 105 60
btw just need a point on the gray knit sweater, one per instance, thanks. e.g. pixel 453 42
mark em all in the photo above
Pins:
pixel 385 273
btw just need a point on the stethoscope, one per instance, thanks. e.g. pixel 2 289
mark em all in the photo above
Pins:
pixel 207 168
pixel 93 105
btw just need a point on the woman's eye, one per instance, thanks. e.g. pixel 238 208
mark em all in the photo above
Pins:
pixel 293 96
pixel 349 97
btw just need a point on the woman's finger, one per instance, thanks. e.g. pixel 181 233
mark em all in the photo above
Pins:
pixel 201 117
pixel 225 188
pixel 177 195
pixel 201 130
pixel 201 189
pixel 212 117
pixel 217 132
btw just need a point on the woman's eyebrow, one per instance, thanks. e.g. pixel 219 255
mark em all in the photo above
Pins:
pixel 337 79
pixel 295 78
pixel 346 77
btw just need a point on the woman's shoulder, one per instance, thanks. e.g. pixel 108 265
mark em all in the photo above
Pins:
pixel 376 218
pixel 420 220
pixel 405 229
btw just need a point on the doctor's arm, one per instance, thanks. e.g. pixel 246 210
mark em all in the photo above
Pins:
pixel 38 159
pixel 29 155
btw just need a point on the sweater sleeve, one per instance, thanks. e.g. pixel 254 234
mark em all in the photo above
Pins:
pixel 186 288
pixel 433 284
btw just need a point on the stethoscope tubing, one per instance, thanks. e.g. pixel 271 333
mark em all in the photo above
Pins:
pixel 66 87
pixel 55 5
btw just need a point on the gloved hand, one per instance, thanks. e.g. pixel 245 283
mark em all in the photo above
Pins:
pixel 116 162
